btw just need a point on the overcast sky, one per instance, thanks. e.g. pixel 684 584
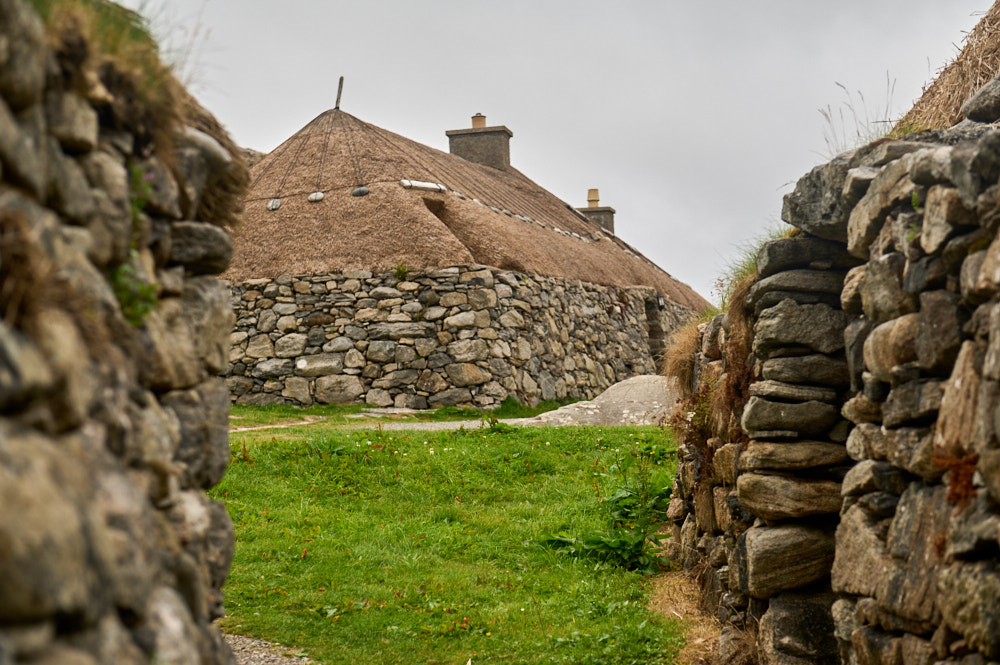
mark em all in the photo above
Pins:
pixel 692 118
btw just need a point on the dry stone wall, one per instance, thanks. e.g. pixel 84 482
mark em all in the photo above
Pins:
pixel 457 335
pixel 857 517
pixel 113 421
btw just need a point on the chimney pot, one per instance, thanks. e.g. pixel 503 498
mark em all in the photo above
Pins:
pixel 489 146
pixel 603 216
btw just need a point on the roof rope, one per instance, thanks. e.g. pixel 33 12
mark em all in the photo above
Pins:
pixel 361 190
pixel 326 143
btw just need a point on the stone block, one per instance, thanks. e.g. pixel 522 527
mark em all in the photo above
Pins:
pixel 381 351
pixel 873 647
pixel 939 330
pixel 203 452
pixel 791 456
pixel 410 401
pixel 321 364
pixel 861 409
pixel 784 557
pixel 482 298
pixel 173 361
pixel 807 281
pixel 967 596
pixel 272 368
pixel 873 476
pixel 912 401
pixel 467 374
pixel 814 369
pixel 891 344
pixel 775 497
pixel 791 392
pixel 397 379
pixel 202 248
pixel 802 252
pixel 882 295
pixel 378 397
pixel 468 350
pixel 891 186
pixel 912 449
pixel 867 441
pixel 450 397
pixel 818 327
pixel 297 388
pixel 943 212
pixel 806 418
pixel 398 330
pixel 724 464
pixel 797 629
pixel 338 389
pixel 956 419
pixel 815 204
pixel 860 553
pixel 290 346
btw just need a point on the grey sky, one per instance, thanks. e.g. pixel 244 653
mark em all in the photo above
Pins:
pixel 693 118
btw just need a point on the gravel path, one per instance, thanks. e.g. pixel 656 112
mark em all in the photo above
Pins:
pixel 251 651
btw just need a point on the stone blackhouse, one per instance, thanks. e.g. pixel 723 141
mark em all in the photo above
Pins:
pixel 372 268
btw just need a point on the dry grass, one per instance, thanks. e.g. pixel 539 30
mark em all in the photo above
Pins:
pixel 977 62
pixel 731 392
pixel 676 595
pixel 679 358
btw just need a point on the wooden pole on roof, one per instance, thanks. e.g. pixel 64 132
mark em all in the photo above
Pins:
pixel 340 90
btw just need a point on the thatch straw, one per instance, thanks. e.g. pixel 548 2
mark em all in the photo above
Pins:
pixel 336 152
pixel 978 62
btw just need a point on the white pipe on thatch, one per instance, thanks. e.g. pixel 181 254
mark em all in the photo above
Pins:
pixel 424 186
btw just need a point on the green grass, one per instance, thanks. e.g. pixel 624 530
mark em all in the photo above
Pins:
pixel 425 547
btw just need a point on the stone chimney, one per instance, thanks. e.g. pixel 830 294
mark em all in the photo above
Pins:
pixel 603 215
pixel 481 144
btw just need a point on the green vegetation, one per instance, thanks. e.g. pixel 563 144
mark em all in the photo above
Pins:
pixel 370 546
pixel 853 124
pixel 136 297
pixel 401 272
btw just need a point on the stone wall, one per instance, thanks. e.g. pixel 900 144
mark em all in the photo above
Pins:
pixel 457 335
pixel 856 519
pixel 113 421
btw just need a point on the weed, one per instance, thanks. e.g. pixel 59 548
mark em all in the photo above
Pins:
pixel 135 295
pixel 634 511
pixel 401 272
pixel 853 124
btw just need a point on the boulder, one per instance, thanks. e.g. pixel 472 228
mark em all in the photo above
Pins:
pixel 774 497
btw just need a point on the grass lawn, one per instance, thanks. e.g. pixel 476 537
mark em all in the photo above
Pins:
pixel 368 546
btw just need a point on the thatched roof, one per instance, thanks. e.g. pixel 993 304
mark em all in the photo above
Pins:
pixel 977 63
pixel 496 217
